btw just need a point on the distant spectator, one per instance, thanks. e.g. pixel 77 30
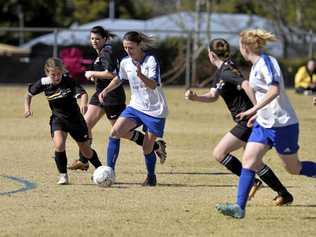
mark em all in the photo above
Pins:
pixel 305 78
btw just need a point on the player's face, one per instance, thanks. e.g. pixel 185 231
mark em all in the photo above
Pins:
pixel 132 49
pixel 55 74
pixel 243 50
pixel 97 41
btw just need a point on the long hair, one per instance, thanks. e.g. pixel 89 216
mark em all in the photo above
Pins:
pixel 220 47
pixel 103 32
pixel 256 39
pixel 141 39
pixel 55 63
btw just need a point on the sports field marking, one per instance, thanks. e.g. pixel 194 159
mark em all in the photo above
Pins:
pixel 27 185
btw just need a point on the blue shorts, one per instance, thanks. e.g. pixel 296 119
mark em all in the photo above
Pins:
pixel 151 124
pixel 284 139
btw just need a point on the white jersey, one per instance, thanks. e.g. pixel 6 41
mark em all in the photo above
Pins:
pixel 279 112
pixel 144 99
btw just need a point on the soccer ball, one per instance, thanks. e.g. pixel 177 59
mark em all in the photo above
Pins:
pixel 103 176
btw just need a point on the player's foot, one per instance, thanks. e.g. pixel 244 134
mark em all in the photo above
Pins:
pixel 63 179
pixel 150 181
pixel 282 200
pixel 161 151
pixel 79 165
pixel 229 209
pixel 255 187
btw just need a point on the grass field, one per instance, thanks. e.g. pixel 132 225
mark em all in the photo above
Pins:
pixel 190 182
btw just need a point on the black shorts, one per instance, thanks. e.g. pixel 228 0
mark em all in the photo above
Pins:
pixel 76 127
pixel 111 111
pixel 241 131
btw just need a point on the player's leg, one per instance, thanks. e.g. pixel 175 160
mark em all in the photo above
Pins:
pixel 252 159
pixel 121 127
pixel 114 111
pixel 92 116
pixel 150 159
pixel 287 146
pixel 59 140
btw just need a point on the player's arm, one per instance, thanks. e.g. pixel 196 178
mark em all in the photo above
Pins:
pixel 249 91
pixel 81 93
pixel 116 82
pixel 33 89
pixel 27 105
pixel 102 75
pixel 210 96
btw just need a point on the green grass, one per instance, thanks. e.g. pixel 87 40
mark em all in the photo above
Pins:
pixel 190 182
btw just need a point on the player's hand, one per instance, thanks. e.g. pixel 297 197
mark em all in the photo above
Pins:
pixel 102 95
pixel 138 70
pixel 89 75
pixel 314 100
pixel 189 95
pixel 28 113
pixel 251 121
pixel 83 109
pixel 247 114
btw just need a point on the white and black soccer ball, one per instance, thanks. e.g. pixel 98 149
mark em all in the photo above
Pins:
pixel 104 176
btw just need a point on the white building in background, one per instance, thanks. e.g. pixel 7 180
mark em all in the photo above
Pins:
pixel 225 26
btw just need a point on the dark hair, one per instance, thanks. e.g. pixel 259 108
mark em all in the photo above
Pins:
pixel 101 31
pixel 145 41
pixel 220 47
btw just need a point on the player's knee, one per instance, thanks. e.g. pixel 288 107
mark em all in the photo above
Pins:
pixel 115 133
pixel 218 154
pixel 147 148
pixel 60 147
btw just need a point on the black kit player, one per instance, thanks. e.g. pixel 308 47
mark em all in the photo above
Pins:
pixel 238 96
pixel 104 69
pixel 61 92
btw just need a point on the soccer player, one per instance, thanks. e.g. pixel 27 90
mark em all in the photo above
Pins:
pixel 148 106
pixel 104 70
pixel 236 92
pixel 275 122
pixel 61 93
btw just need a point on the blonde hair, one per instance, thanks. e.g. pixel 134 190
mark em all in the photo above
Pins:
pixel 140 38
pixel 54 63
pixel 256 39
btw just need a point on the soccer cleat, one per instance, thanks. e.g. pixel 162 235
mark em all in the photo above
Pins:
pixel 79 165
pixel 161 151
pixel 150 181
pixel 229 209
pixel 63 179
pixel 282 200
pixel 255 187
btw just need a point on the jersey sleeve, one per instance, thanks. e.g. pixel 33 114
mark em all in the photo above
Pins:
pixel 269 72
pixel 153 70
pixel 122 71
pixel 37 87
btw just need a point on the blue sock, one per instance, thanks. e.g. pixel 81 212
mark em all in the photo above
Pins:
pixel 246 180
pixel 308 169
pixel 150 160
pixel 113 150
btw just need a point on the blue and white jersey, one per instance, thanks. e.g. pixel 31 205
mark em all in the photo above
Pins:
pixel 144 99
pixel 279 112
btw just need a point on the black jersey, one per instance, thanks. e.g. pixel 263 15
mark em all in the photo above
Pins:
pixel 228 81
pixel 106 60
pixel 61 98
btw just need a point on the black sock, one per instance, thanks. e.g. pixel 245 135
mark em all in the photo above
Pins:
pixel 232 163
pixel 268 176
pixel 82 158
pixel 138 138
pixel 61 161
pixel 94 160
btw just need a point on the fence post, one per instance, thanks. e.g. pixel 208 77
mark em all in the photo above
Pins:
pixel 188 81
pixel 310 48
pixel 55 49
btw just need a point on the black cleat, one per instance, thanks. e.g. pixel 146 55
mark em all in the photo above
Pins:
pixel 150 181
